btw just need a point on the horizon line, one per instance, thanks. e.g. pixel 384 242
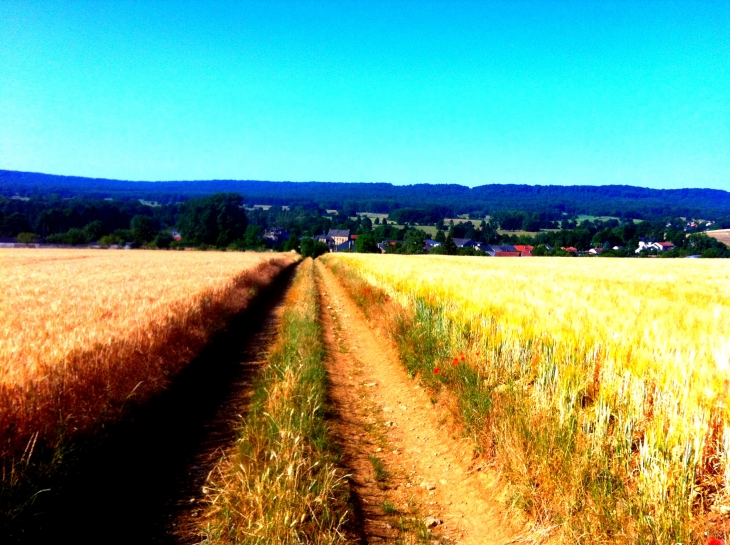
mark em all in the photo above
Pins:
pixel 358 183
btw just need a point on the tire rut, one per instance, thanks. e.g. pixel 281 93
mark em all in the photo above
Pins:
pixel 381 412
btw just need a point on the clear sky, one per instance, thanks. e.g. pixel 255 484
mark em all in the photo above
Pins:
pixel 538 92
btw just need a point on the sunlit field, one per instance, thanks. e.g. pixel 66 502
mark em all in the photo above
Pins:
pixel 84 333
pixel 603 383
pixel 58 301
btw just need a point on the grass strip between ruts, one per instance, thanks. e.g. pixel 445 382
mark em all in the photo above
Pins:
pixel 281 483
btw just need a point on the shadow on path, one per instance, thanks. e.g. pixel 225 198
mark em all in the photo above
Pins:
pixel 143 484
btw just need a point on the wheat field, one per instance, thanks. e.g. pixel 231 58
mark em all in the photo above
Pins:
pixel 84 333
pixel 58 301
pixel 607 381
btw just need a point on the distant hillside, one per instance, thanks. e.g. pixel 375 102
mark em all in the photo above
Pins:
pixel 550 201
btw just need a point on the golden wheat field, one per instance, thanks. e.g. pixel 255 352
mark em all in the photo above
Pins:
pixel 82 332
pixel 668 321
pixel 627 360
pixel 57 301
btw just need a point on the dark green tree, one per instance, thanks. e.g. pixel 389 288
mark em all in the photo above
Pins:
pixel 449 247
pixel 252 237
pixel 216 220
pixel 13 224
pixel 413 242
pixel 292 244
pixel 94 230
pixel 312 248
pixel 540 250
pixel 365 244
pixel 163 240
pixel 144 229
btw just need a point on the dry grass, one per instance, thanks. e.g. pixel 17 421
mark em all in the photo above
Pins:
pixel 84 334
pixel 600 387
pixel 281 484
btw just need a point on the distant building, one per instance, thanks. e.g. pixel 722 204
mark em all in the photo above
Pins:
pixel 339 236
pixel 652 244
pixel 429 244
pixel 275 236
pixel 500 250
pixel 465 243
pixel 338 240
pixel 347 246
pixel 525 250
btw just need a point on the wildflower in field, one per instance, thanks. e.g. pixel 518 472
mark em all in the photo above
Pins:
pixel 455 361
pixel 715 541
pixel 436 371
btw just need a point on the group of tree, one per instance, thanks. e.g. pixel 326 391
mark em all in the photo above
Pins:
pixel 221 221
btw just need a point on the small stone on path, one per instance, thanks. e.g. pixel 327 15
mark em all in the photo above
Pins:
pixel 432 522
pixel 428 486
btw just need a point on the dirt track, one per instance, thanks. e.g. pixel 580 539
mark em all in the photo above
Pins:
pixel 382 413
pixel 144 485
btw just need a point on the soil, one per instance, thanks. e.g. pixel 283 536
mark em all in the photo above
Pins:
pixel 141 480
pixel 432 477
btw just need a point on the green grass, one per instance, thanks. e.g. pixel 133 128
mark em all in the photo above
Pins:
pixel 378 469
pixel 282 483
pixel 583 217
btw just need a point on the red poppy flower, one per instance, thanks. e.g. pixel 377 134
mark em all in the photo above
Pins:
pixel 715 541
pixel 478 353
pixel 455 362
pixel 463 358
pixel 436 371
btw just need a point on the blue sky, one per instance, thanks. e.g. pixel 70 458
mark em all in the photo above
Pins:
pixel 545 92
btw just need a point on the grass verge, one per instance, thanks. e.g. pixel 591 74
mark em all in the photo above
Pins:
pixel 281 483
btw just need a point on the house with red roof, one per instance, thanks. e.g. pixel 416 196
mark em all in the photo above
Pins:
pixel 525 250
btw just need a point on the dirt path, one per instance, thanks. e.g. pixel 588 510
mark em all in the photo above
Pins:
pixel 384 418
pixel 219 431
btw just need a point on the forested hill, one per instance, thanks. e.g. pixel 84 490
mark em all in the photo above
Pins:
pixel 622 201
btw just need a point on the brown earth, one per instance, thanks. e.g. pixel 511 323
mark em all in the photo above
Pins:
pixel 722 235
pixel 433 478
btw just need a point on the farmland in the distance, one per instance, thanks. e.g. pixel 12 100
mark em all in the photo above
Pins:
pixel 85 334
pixel 600 388
pixel 723 235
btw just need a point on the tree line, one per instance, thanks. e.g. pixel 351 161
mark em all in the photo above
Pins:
pixel 550 202
pixel 221 221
